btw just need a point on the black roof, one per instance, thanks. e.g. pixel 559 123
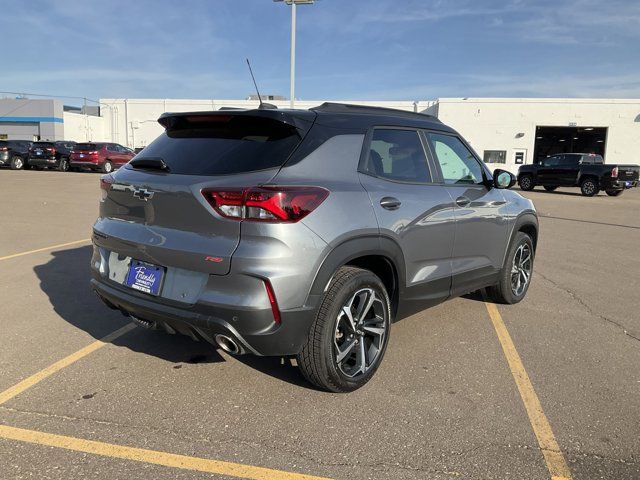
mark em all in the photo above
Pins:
pixel 354 118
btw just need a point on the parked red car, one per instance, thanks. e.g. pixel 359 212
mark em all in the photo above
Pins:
pixel 105 157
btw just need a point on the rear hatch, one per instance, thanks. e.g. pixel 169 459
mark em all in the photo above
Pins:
pixel 83 152
pixel 628 173
pixel 42 150
pixel 154 210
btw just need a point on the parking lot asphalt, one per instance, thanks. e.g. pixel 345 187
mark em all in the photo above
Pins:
pixel 443 405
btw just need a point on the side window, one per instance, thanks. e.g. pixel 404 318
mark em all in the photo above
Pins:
pixel 457 163
pixel 571 160
pixel 552 161
pixel 398 155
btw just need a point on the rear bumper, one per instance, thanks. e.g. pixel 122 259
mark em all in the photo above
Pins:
pixel 84 163
pixel 42 161
pixel 621 185
pixel 219 309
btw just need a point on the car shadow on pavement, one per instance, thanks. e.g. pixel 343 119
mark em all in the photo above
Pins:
pixel 65 280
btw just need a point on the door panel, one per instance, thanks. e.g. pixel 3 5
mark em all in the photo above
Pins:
pixel 411 210
pixel 423 225
pixel 481 237
pixel 480 214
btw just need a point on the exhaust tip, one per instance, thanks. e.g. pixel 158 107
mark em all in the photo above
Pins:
pixel 143 323
pixel 228 344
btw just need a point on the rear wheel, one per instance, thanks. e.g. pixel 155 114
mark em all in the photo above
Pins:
pixel 589 187
pixel 349 336
pixel 64 165
pixel 526 183
pixel 17 163
pixel 614 193
pixel 107 167
pixel 549 188
pixel 516 274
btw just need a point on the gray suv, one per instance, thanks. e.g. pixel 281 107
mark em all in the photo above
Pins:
pixel 306 232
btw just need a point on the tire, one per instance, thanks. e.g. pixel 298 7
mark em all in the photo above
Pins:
pixel 107 167
pixel 549 188
pixel 589 187
pixel 17 163
pixel 505 291
pixel 614 193
pixel 526 183
pixel 63 166
pixel 319 359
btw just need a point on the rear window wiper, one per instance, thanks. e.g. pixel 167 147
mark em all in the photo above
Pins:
pixel 149 163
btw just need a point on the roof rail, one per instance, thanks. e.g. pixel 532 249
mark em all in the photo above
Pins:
pixel 331 107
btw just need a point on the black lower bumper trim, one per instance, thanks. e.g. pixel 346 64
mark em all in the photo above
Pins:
pixel 283 340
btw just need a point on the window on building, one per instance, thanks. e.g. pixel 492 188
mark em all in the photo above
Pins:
pixel 495 156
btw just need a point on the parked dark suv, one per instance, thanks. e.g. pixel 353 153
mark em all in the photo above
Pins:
pixel 51 155
pixel 14 153
pixel 306 233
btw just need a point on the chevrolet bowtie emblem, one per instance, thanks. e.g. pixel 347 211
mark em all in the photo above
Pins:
pixel 142 194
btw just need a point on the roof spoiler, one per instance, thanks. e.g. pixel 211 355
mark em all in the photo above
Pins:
pixel 300 119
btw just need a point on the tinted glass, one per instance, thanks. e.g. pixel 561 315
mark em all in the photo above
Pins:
pixel 86 147
pixel 43 145
pixel 398 155
pixel 570 159
pixel 457 163
pixel 552 161
pixel 221 145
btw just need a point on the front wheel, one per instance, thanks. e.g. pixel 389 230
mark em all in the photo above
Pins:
pixel 526 183
pixel 614 193
pixel 349 335
pixel 515 277
pixel 550 188
pixel 589 187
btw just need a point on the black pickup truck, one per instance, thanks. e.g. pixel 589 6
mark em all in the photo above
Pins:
pixel 585 170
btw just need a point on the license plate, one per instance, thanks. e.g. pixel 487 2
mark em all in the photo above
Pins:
pixel 144 277
pixel 82 155
pixel 628 184
pixel 38 152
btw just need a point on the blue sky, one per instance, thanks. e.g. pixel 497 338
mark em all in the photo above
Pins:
pixel 347 49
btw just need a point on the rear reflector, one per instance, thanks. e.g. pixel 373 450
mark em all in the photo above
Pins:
pixel 614 172
pixel 278 204
pixel 272 300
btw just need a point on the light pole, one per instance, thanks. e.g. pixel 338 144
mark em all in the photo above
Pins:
pixel 293 4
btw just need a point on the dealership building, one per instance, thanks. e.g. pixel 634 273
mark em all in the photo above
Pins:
pixel 506 132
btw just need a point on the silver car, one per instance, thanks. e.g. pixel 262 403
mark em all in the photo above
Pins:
pixel 306 232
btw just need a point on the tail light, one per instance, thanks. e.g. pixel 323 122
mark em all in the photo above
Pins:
pixel 105 184
pixel 614 172
pixel 272 300
pixel 52 151
pixel 3 149
pixel 278 204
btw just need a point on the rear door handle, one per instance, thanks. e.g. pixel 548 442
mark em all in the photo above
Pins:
pixel 390 203
pixel 462 201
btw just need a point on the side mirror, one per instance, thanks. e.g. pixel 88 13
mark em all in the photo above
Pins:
pixel 503 179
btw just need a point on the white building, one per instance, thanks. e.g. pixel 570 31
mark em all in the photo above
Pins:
pixel 506 132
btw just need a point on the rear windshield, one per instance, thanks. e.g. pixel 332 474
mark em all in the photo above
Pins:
pixel 86 147
pixel 222 145
pixel 43 145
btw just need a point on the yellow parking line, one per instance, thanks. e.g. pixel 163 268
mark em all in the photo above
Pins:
pixel 60 364
pixel 44 249
pixel 150 456
pixel 553 456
